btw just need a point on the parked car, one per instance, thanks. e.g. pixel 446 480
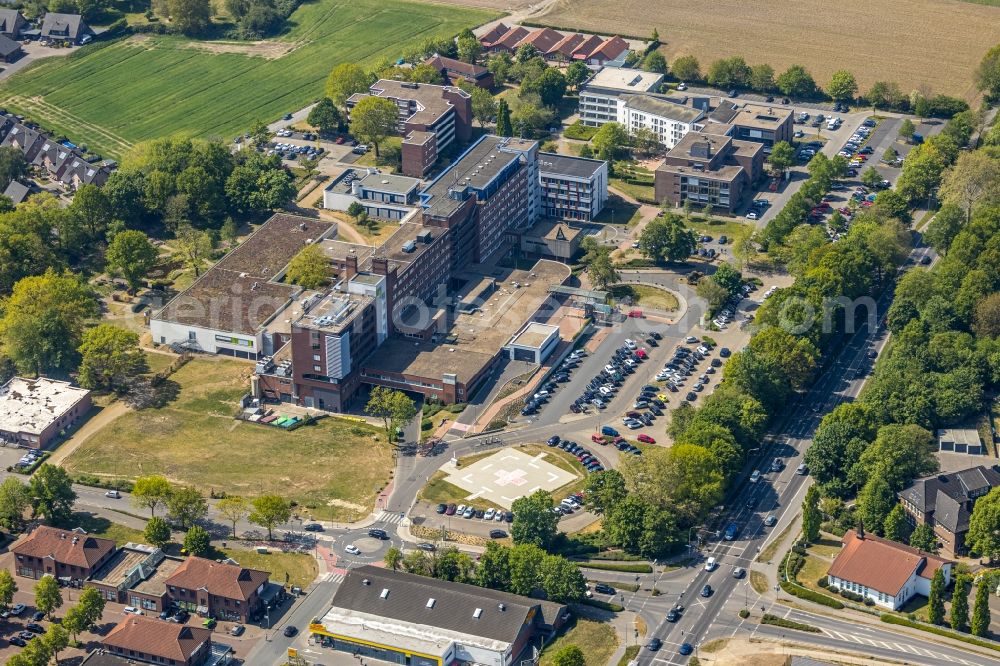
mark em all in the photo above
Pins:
pixel 498 534
pixel 604 589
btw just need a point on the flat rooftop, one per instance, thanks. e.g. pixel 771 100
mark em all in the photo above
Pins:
pixel 431 103
pixel 238 294
pixel 334 312
pixel 341 250
pixel 31 405
pixel 156 584
pixel 577 167
pixel 404 246
pixel 534 334
pixel 761 117
pixel 473 339
pixel 625 80
pixel 475 169
pixel 663 106
pixel 716 142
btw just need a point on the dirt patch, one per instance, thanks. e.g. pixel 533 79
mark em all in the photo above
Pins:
pixel 263 49
pixel 817 34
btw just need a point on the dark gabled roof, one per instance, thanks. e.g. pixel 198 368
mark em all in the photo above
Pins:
pixel 64 26
pixel 8 46
pixel 17 192
pixel 960 486
pixel 950 514
pixel 407 598
pixel 442 63
pixel 11 21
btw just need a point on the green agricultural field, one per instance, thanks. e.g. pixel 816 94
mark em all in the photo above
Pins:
pixel 109 96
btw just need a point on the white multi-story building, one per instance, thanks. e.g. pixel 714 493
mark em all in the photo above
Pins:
pixel 571 188
pixel 599 96
pixel 669 120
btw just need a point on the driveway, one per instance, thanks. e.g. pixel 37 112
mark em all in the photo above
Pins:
pixel 32 52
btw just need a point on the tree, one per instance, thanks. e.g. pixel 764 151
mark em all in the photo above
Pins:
pixel 935 606
pixel 843 87
pixel 325 116
pixel 270 511
pixel 568 655
pixel 393 558
pixel 394 408
pixel 525 566
pixel 782 156
pixel 190 17
pixel 906 129
pixel 150 492
pixel 484 106
pixel 981 609
pixel 91 606
pixel 13 165
pixel 646 141
pixel 732 72
pixel 923 538
pixel 666 239
pixel 974 179
pixel 43 322
pixel 601 270
pixel 73 621
pixel 534 523
pixel 48 596
pixel 885 95
pixel 52 494
pixel 469 49
pixel 110 357
pixel 131 255
pixel 609 141
pixel 871 178
pixel 686 68
pixel 56 639
pixel 604 490
pixel 550 86
pixel 7 589
pixel 811 517
pixel 14 500
pixel 234 508
pixel 576 74
pixel 796 82
pixel 157 531
pixel 92 208
pixel 713 294
pixel 500 67
pixel 310 268
pixel 875 501
pixel 983 536
pixel 345 80
pixel 186 506
pixel 561 580
pixel 729 278
pixel 504 127
pixel 193 247
pixel 762 78
pixel 894 524
pixel 493 570
pixel 654 62
pixel 453 565
pixel 373 119
pixel 197 541
pixel 959 618
pixel 988 73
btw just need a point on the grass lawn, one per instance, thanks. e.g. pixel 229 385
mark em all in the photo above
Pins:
pixel 650 297
pixel 716 227
pixel 158 362
pixel 389 154
pixel 618 211
pixel 598 641
pixel 109 96
pixel 438 490
pixel 334 467
pixel 298 569
pixel 640 192
pixel 102 527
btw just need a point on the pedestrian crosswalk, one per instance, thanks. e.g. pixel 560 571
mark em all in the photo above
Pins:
pixel 390 517
pixel 332 576
pixel 897 647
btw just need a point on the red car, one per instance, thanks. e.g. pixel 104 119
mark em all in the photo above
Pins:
pixel 641 353
pixel 773 187
pixel 598 439
pixel 618 440
pixel 635 314
pixel 340 140
pixel 844 210
pixel 824 205
pixel 646 439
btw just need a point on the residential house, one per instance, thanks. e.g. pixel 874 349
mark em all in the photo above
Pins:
pixel 12 22
pixel 18 135
pixel 945 501
pixel 454 71
pixel 158 641
pixel 218 589
pixel 543 39
pixel 508 41
pixel 489 38
pixel 887 572
pixel 17 192
pixel 79 171
pixel 69 555
pixel 10 50
pixel 66 28
pixel 564 49
pixel 610 49
pixel 53 157
pixel 708 169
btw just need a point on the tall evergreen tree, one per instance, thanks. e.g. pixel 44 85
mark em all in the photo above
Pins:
pixel 981 609
pixel 811 517
pixel 935 605
pixel 960 603
pixel 504 128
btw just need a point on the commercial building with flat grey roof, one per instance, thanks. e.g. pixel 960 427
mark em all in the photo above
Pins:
pixel 385 196
pixel 600 96
pixel 572 188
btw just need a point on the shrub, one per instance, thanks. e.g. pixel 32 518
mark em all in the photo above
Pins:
pixel 744 613
pixel 869 601
pixel 616 566
pixel 579 131
pixel 823 582
pixel 889 618
pixel 788 624
pixel 853 596
pixel 809 595
pixel 604 605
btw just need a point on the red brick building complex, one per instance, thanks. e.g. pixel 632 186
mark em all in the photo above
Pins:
pixel 69 555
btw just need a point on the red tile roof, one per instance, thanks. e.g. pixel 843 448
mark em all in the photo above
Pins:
pixel 542 39
pixel 219 578
pixel 71 547
pixel 585 48
pixel 157 637
pixel 442 63
pixel 493 34
pixel 610 48
pixel 567 44
pixel 881 564
pixel 512 37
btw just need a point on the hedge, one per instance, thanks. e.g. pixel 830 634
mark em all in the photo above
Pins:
pixel 940 631
pixel 615 566
pixel 604 605
pixel 788 624
pixel 532 24
pixel 580 132
pixel 809 595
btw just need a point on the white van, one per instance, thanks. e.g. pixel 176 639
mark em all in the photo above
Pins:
pixel 711 564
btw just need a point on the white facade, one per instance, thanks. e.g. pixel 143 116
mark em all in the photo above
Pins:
pixel 571 194
pixel 599 97
pixel 212 341
pixel 670 130
pixel 533 343
pixel 915 584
